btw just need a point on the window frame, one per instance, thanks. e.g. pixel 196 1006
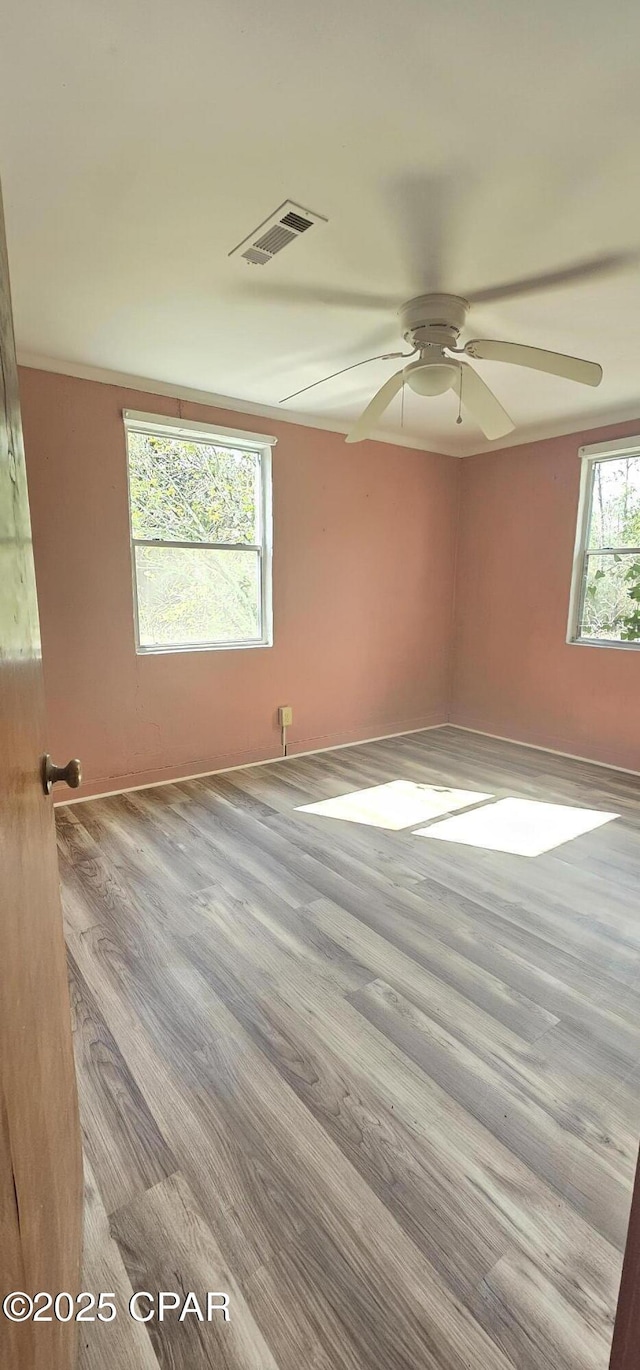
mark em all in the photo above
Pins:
pixel 155 425
pixel 590 457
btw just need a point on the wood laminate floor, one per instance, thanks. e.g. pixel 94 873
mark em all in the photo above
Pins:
pixel 380 1089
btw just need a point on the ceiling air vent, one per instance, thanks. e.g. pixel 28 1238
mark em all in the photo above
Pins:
pixel 287 223
pixel 275 239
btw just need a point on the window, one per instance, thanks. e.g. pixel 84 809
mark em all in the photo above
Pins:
pixel 605 596
pixel 200 507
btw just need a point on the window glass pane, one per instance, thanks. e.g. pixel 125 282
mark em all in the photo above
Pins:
pixel 615 504
pixel 611 598
pixel 185 491
pixel 202 595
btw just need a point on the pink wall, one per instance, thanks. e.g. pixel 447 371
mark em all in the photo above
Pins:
pixel 513 672
pixel 364 546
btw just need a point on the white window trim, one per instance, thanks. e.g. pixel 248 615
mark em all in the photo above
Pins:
pixel 595 452
pixel 135 421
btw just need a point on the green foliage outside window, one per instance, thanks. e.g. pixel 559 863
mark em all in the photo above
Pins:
pixel 192 492
pixel 611 596
pixel 184 491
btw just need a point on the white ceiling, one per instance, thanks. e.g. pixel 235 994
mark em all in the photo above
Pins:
pixel 457 144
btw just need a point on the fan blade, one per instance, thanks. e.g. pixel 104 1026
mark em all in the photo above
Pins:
pixel 423 207
pixel 328 297
pixel 482 404
pixel 375 409
pixel 555 363
pixel 590 269
pixel 382 357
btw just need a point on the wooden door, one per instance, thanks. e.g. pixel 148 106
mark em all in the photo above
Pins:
pixel 625 1352
pixel 40 1151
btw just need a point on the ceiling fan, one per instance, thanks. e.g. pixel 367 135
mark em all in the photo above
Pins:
pixel 431 326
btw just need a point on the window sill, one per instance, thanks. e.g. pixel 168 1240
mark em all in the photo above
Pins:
pixel 602 642
pixel 202 647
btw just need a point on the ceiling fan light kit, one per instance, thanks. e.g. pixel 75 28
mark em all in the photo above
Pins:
pixel 431 375
pixel 431 326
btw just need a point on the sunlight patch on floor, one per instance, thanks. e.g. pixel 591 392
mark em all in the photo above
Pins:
pixel 524 827
pixel 398 804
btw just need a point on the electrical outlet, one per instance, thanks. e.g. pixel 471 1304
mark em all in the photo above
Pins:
pixel 285 715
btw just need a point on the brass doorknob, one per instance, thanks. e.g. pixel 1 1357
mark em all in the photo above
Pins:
pixel 71 774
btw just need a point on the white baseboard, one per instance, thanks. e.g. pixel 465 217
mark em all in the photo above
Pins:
pixel 537 747
pixel 246 765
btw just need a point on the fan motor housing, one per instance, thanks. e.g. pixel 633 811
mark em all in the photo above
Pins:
pixel 433 320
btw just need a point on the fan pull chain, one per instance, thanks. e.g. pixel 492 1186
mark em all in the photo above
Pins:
pixel 402 406
pixel 459 418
